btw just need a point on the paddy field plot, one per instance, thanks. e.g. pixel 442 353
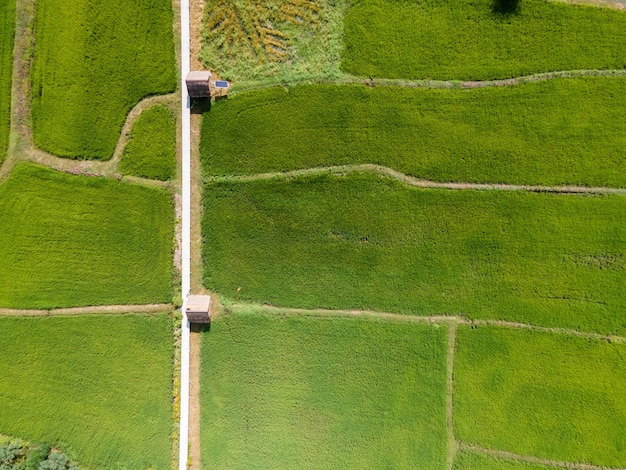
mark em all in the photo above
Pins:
pixel 99 387
pixel 298 392
pixel 479 40
pixel 71 241
pixel 465 460
pixel 94 61
pixel 367 242
pixel 563 131
pixel 535 393
pixel 7 32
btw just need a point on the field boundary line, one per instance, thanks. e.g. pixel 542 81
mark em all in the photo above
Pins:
pixel 452 443
pixel 94 309
pixel 415 182
pixel 534 460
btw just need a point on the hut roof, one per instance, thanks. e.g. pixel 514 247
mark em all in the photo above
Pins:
pixel 198 308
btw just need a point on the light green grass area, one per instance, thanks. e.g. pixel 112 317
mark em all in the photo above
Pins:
pixel 548 395
pixel 273 41
pixel 151 151
pixel 471 39
pixel 93 61
pixel 330 393
pixel 7 32
pixel 99 387
pixel 466 460
pixel 566 131
pixel 365 242
pixel 69 241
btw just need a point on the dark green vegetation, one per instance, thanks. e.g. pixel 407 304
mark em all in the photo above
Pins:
pixel 566 131
pixel 7 31
pixel 71 241
pixel 151 151
pixel 99 387
pixel 534 393
pixel 93 61
pixel 473 461
pixel 322 393
pixel 479 39
pixel 365 242
pixel 16 454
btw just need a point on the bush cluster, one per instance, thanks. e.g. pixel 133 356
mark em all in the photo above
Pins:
pixel 16 454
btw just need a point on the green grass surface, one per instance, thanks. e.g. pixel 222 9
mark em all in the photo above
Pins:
pixel 322 393
pixel 548 395
pixel 7 31
pixel 466 460
pixel 93 61
pixel 73 241
pixel 151 151
pixel 366 242
pixel 561 131
pixel 98 387
pixel 467 39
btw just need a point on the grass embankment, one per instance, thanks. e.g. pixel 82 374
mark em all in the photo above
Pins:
pixel 98 387
pixel 479 40
pixel 70 241
pixel 7 33
pixel 322 393
pixel 151 151
pixel 93 61
pixel 466 460
pixel 566 131
pixel 364 242
pixel 534 393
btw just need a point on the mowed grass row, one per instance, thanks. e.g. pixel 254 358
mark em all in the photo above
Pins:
pixel 93 61
pixel 99 387
pixel 69 241
pixel 479 39
pixel 7 32
pixel 532 393
pixel 322 393
pixel 366 242
pixel 565 131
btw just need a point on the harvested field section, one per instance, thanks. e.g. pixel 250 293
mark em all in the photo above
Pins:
pixel 98 387
pixel 479 40
pixel 93 61
pixel 72 241
pixel 548 395
pixel 365 242
pixel 322 393
pixel 565 131
pixel 7 32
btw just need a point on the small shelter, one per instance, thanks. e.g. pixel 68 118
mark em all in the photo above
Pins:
pixel 199 84
pixel 198 308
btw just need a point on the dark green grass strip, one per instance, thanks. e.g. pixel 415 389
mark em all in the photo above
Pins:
pixel 472 40
pixel 69 241
pixel 7 32
pixel 322 393
pixel 466 460
pixel 565 131
pixel 151 151
pixel 94 60
pixel 364 242
pixel 533 393
pixel 98 387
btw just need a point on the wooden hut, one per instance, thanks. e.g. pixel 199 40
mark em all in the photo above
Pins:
pixel 198 308
pixel 199 84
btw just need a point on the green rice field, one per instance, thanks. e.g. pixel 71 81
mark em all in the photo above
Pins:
pixel 565 131
pixel 93 61
pixel 533 393
pixel 367 242
pixel 98 387
pixel 70 241
pixel 322 393
pixel 151 151
pixel 473 461
pixel 479 39
pixel 7 31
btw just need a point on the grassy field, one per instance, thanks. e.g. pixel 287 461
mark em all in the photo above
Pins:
pixel 479 40
pixel 364 242
pixel 7 30
pixel 535 393
pixel 75 241
pixel 93 61
pixel 151 151
pixel 566 131
pixel 98 387
pixel 322 393
pixel 473 461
